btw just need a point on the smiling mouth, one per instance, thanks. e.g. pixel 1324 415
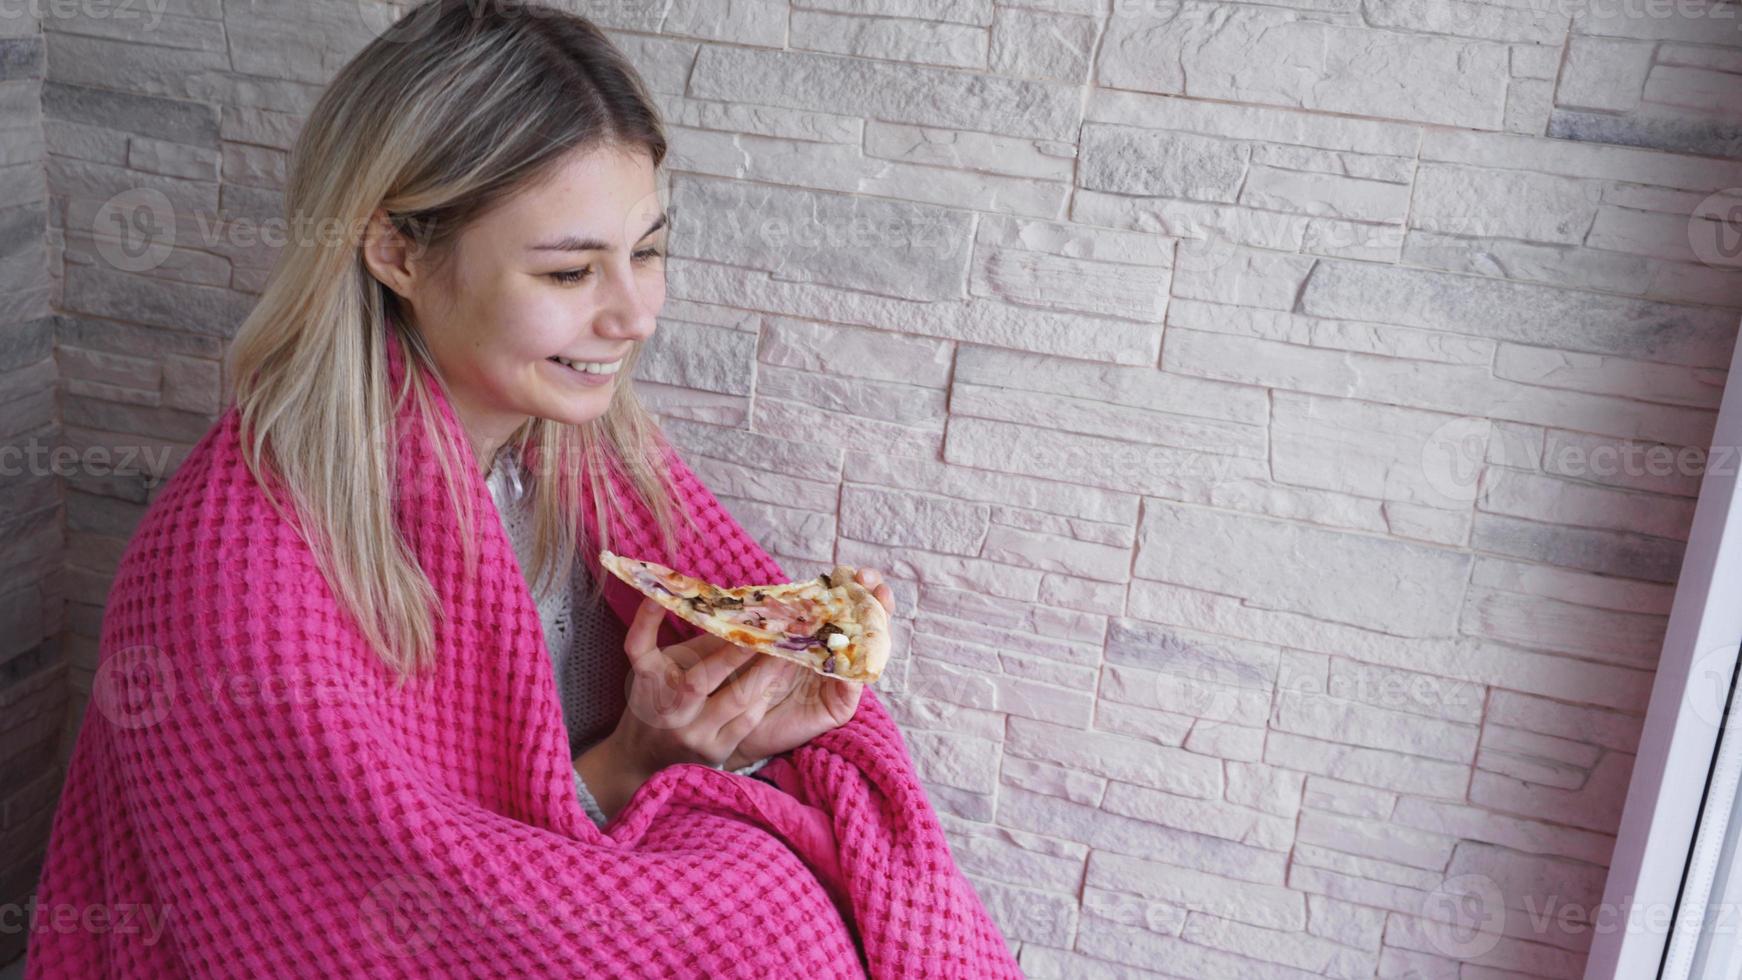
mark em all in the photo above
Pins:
pixel 587 367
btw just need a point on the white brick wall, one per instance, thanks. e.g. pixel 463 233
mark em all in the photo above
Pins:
pixel 33 668
pixel 1268 415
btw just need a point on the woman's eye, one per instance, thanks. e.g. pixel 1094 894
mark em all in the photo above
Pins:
pixel 574 276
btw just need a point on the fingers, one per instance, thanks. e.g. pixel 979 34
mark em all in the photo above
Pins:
pixel 684 674
pixel 641 642
pixel 784 678
pixel 769 680
pixel 692 699
pixel 872 579
pixel 707 674
pixel 734 731
pixel 741 707
pixel 664 697
pixel 642 638
pixel 885 596
pixel 841 699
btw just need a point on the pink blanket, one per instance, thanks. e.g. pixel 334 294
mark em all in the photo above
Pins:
pixel 250 794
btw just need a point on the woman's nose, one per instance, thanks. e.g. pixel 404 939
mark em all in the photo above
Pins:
pixel 632 308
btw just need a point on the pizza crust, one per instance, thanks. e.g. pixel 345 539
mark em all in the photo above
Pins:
pixel 873 645
pixel 856 612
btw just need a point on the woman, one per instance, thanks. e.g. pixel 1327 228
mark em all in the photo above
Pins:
pixel 330 732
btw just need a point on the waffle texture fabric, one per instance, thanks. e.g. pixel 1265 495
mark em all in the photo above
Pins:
pixel 250 777
pixel 584 637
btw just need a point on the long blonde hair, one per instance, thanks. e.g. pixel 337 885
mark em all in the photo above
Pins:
pixel 456 108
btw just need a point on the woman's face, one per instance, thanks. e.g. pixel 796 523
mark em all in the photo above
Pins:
pixel 572 269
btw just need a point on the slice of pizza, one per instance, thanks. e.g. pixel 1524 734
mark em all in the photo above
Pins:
pixel 830 623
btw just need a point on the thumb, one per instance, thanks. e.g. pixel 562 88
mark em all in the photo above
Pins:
pixel 843 698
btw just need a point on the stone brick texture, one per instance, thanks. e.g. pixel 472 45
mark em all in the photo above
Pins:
pixel 1280 423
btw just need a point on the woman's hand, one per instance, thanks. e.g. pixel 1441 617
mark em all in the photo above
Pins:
pixel 685 704
pixel 812 703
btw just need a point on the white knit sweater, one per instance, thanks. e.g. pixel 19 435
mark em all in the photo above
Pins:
pixel 585 638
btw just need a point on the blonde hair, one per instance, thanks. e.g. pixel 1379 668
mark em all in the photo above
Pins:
pixel 458 107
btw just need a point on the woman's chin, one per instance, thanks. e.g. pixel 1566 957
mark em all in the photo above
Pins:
pixel 575 408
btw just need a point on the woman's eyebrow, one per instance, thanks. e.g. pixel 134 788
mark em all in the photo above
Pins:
pixel 575 243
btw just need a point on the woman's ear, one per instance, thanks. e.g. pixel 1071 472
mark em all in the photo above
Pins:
pixel 387 255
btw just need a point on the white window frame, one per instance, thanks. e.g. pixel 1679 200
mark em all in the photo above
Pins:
pixel 1670 903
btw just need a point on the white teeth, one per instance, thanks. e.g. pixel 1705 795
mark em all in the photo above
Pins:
pixel 586 368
